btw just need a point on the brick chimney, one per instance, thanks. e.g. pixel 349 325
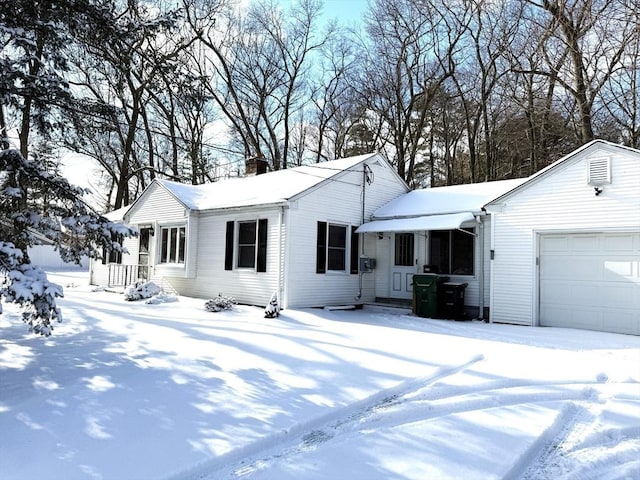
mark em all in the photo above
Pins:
pixel 255 166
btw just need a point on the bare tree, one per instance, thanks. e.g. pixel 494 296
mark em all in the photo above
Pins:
pixel 621 94
pixel 333 91
pixel 115 73
pixel 596 34
pixel 411 50
pixel 257 63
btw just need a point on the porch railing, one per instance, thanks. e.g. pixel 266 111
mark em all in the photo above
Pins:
pixel 123 275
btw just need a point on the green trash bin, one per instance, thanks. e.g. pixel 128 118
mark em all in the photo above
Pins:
pixel 425 294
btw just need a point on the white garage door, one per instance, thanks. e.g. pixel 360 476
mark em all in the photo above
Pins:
pixel 591 281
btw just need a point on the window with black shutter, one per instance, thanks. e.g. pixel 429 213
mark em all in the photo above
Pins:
pixel 354 251
pixel 321 248
pixel 262 245
pixel 228 252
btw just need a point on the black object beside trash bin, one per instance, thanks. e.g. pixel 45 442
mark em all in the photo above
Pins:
pixel 451 300
pixel 426 293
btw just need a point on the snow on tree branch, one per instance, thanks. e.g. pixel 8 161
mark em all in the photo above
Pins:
pixel 37 207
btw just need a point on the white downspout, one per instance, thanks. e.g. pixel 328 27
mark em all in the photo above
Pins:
pixel 491 268
pixel 281 259
pixel 481 269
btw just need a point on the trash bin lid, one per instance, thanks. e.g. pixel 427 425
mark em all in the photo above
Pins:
pixel 455 284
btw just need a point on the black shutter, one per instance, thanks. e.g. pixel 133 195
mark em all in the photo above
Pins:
pixel 321 248
pixel 228 252
pixel 262 245
pixel 354 251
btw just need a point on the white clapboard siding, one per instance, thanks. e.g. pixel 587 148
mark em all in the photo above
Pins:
pixel 560 200
pixel 158 206
pixel 161 209
pixel 245 285
pixel 339 201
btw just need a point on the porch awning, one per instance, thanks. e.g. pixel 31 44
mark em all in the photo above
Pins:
pixel 450 221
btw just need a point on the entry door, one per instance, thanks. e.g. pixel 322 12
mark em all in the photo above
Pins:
pixel 143 253
pixel 403 266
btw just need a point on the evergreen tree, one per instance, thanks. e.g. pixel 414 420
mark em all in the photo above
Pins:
pixel 43 207
pixel 37 205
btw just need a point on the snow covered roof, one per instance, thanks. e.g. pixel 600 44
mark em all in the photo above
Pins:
pixel 117 215
pixel 449 221
pixel 268 188
pixel 445 200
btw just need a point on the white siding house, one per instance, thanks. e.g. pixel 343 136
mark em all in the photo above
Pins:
pixel 566 244
pixel 290 231
pixel 559 248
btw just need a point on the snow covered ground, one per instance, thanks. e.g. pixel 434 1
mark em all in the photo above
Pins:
pixel 128 390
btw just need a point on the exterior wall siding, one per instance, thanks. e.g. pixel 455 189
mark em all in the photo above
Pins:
pixel 158 209
pixel 560 201
pixel 245 285
pixel 337 201
pixel 161 209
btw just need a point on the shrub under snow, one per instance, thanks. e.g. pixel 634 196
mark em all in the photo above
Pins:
pixel 161 297
pixel 221 302
pixel 141 290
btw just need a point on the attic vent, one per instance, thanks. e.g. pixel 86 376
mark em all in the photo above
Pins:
pixel 599 171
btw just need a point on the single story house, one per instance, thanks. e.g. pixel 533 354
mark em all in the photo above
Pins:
pixel 559 248
pixel 291 231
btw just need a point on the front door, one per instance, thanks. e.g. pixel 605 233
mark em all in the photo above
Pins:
pixel 143 253
pixel 403 266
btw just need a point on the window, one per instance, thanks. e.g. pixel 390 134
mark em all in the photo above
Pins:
pixel 110 255
pixel 404 249
pixel 331 248
pixel 337 247
pixel 451 251
pixel 172 245
pixel 251 245
pixel 246 244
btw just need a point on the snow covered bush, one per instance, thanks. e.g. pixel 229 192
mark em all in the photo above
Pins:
pixel 161 297
pixel 141 290
pixel 27 285
pixel 221 302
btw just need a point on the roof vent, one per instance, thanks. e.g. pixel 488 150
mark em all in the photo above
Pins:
pixel 599 171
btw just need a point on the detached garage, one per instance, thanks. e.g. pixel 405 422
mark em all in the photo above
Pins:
pixel 565 244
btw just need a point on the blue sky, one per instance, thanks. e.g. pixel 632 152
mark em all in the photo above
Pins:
pixel 347 11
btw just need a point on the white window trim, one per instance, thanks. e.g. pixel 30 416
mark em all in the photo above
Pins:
pixel 236 243
pixel 347 253
pixel 160 260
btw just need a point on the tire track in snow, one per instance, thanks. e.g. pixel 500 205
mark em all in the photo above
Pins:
pixel 482 399
pixel 565 444
pixel 307 435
